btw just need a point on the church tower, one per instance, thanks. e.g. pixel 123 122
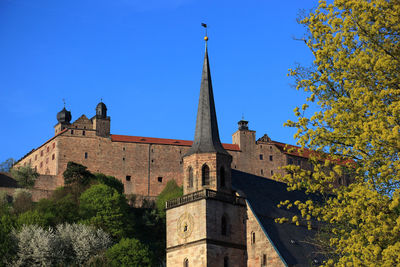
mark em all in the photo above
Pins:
pixel 206 227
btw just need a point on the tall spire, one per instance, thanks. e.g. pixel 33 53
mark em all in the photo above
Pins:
pixel 206 137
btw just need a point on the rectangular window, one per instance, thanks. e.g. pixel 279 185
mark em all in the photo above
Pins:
pixel 261 156
pixel 264 260
pixel 48 149
pixel 159 179
pixel 298 162
pixel 128 178
pixel 72 131
pixel 270 158
pixel 53 157
pixel 41 164
pixel 41 153
pixel 262 172
pixel 54 145
pixel 83 133
pixel 47 160
pixel 86 155
pixel 272 172
pixel 35 157
pixel 123 159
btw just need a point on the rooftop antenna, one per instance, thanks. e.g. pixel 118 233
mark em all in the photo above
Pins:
pixel 205 37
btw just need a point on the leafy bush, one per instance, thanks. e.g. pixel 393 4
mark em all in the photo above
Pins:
pixel 67 244
pixel 38 247
pixel 22 200
pixel 129 252
pixel 171 191
pixel 111 181
pixel 82 241
pixel 103 207
pixel 25 175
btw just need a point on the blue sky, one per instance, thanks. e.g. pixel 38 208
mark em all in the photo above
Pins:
pixel 144 59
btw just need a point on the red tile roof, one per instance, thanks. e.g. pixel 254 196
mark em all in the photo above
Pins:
pixel 305 152
pixel 162 141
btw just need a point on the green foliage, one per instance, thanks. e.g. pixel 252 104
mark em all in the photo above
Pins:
pixel 77 174
pixel 7 244
pixel 110 181
pixel 6 165
pixel 25 175
pixel 102 206
pixel 22 200
pixel 171 191
pixel 34 217
pixel 129 252
pixel 354 83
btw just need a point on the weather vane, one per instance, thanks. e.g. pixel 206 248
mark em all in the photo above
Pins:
pixel 205 37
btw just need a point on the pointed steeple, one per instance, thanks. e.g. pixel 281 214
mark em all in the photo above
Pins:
pixel 206 137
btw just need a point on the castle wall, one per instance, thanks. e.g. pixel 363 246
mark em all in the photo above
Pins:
pixel 43 159
pixel 261 248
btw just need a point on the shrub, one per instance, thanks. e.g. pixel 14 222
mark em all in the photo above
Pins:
pixel 129 252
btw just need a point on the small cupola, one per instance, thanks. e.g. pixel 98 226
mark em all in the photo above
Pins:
pixel 101 110
pixel 64 116
pixel 243 125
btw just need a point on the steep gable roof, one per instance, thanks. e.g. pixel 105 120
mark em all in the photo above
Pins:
pixel 263 195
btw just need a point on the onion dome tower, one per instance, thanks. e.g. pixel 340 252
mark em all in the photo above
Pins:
pixel 64 116
pixel 101 122
pixel 101 110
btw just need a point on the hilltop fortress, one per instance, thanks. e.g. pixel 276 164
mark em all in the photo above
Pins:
pixel 143 164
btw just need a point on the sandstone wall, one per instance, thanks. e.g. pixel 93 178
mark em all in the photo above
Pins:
pixel 259 248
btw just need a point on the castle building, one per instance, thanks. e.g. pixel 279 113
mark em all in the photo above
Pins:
pixel 226 216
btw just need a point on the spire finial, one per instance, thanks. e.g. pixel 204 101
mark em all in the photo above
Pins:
pixel 243 116
pixel 63 101
pixel 101 99
pixel 205 37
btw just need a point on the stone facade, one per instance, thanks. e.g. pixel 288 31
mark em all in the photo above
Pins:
pixel 260 251
pixel 143 164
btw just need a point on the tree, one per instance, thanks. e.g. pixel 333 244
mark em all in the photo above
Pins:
pixel 129 252
pixel 82 242
pixel 22 200
pixel 6 165
pixel 67 244
pixel 354 83
pixel 110 181
pixel 77 174
pixel 7 244
pixel 25 175
pixel 170 191
pixel 102 206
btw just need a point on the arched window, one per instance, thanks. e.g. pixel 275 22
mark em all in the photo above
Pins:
pixel 253 238
pixel 185 263
pixel 222 176
pixel 226 261
pixel 190 177
pixel 205 175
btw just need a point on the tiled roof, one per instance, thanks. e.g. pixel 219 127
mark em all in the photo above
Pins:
pixel 306 153
pixel 293 150
pixel 162 141
pixel 263 195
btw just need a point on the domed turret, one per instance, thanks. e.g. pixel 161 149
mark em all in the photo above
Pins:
pixel 101 110
pixel 64 116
